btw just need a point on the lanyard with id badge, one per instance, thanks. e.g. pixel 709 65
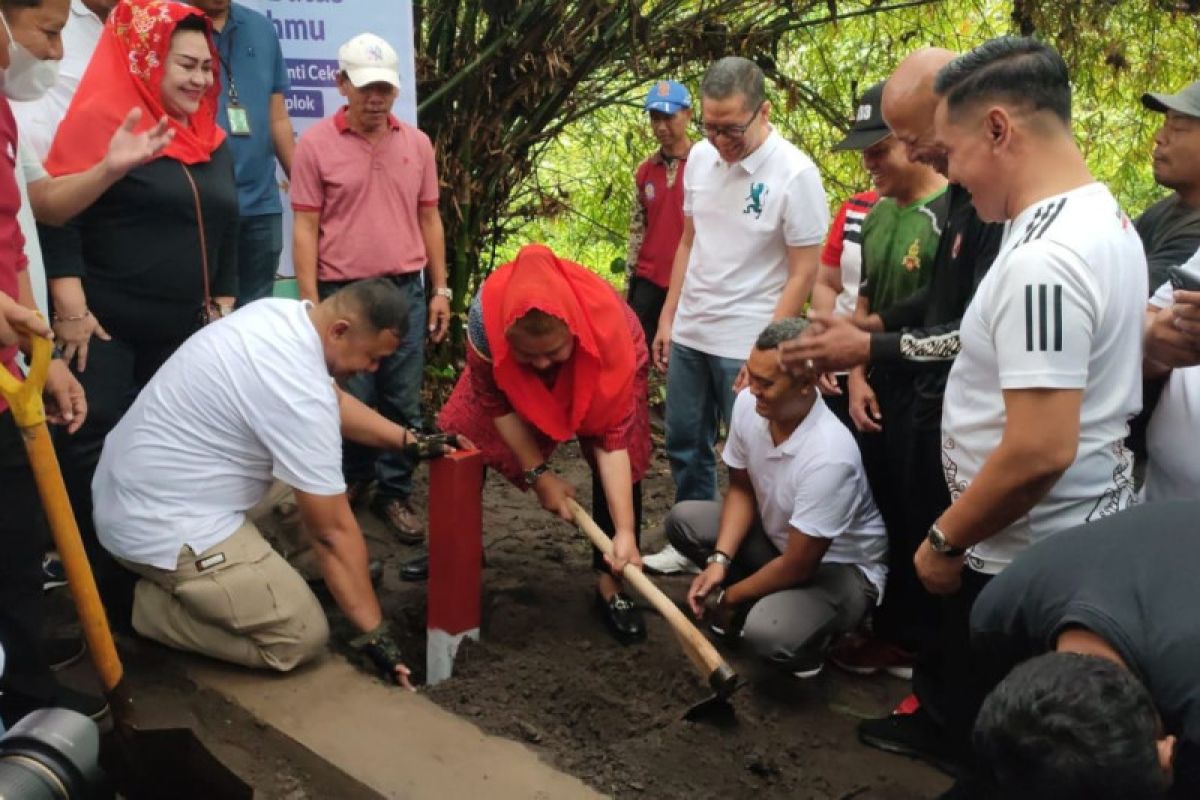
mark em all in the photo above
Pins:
pixel 235 112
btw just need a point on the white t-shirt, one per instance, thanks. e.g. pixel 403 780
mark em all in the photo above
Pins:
pixel 745 216
pixel 1173 436
pixel 244 401
pixel 1061 308
pixel 30 170
pixel 813 483
pixel 38 119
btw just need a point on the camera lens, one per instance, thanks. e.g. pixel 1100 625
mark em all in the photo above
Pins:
pixel 51 754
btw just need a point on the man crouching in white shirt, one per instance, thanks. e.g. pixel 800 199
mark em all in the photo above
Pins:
pixel 796 552
pixel 246 401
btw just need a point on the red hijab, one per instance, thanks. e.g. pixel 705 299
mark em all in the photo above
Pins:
pixel 594 388
pixel 126 71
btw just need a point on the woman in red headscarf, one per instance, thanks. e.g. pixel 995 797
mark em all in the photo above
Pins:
pixel 130 276
pixel 553 354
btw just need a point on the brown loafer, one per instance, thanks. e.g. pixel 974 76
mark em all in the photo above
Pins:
pixel 400 517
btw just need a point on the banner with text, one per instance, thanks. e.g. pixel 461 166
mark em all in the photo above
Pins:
pixel 310 33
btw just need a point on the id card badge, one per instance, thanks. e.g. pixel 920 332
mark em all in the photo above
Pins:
pixel 239 120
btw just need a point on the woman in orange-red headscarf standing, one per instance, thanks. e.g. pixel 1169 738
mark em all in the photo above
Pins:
pixel 139 270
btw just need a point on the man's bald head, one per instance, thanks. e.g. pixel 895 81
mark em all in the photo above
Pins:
pixel 909 101
pixel 915 74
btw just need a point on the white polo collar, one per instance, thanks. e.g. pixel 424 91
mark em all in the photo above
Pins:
pixel 752 162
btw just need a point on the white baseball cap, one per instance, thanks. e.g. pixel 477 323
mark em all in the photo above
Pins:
pixel 368 59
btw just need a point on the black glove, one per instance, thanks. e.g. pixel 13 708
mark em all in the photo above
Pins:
pixel 379 646
pixel 424 446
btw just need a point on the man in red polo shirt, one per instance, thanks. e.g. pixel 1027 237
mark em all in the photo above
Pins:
pixel 365 195
pixel 657 221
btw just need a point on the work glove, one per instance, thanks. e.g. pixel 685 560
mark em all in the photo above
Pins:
pixel 424 446
pixel 381 648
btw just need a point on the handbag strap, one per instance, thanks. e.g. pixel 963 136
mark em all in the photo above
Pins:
pixel 200 225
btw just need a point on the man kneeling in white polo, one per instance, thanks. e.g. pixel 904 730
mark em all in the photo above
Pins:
pixel 246 401
pixel 796 552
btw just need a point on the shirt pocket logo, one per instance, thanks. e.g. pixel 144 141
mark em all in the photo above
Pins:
pixel 756 199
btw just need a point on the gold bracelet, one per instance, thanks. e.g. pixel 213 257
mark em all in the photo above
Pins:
pixel 86 313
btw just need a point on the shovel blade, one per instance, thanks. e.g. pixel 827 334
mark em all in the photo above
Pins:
pixel 169 762
pixel 715 710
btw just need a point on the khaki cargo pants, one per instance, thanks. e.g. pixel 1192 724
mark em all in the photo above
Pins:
pixel 238 601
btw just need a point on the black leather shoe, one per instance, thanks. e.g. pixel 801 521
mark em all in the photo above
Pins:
pixel 415 569
pixel 63 651
pixel 622 618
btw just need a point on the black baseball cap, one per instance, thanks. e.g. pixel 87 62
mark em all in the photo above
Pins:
pixel 868 127
pixel 1185 101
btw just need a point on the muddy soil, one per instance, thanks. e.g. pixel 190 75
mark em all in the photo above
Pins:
pixel 546 673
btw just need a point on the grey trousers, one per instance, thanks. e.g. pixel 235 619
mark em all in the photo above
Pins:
pixel 793 627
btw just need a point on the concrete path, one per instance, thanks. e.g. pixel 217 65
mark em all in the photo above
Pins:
pixel 400 744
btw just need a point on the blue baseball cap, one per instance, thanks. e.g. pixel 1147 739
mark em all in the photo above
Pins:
pixel 668 97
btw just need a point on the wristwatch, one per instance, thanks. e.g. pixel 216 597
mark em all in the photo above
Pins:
pixel 531 475
pixel 937 541
pixel 444 291
pixel 719 558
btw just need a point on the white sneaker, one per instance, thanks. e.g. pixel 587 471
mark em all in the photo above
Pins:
pixel 669 561
pixel 809 672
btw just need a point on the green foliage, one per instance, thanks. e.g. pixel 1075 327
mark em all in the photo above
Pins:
pixel 1116 51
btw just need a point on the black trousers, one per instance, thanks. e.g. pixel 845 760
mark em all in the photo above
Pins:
pixel 904 468
pixel 27 683
pixel 116 371
pixel 604 519
pixel 949 679
pixel 646 298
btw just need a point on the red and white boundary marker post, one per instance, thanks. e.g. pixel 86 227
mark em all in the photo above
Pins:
pixel 455 558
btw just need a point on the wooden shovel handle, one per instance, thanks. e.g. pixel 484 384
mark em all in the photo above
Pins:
pixel 25 399
pixel 701 651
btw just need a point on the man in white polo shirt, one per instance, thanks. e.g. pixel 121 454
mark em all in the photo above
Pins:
pixel 797 551
pixel 755 216
pixel 244 402
pixel 1038 402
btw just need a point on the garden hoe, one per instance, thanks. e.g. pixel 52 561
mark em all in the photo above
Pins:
pixel 144 763
pixel 708 662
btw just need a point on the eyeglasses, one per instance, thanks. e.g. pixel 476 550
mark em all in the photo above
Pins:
pixel 728 131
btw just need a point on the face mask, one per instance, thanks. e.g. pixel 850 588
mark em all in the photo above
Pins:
pixel 27 77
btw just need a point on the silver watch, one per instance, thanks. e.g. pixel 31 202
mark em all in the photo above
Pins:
pixel 719 558
pixel 444 291
pixel 937 543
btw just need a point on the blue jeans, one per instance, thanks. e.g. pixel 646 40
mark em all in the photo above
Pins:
pixel 394 390
pixel 260 242
pixel 699 397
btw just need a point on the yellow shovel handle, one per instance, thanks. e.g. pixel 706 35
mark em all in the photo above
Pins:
pixel 25 396
pixel 25 399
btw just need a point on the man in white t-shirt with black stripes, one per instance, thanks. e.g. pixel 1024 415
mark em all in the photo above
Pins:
pixel 1038 402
